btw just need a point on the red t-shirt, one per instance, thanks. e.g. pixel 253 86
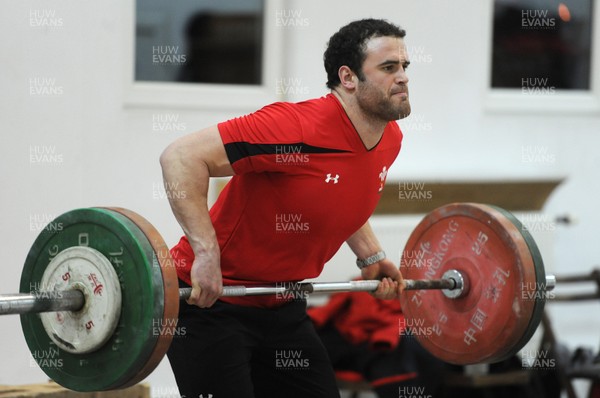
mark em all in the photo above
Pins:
pixel 304 182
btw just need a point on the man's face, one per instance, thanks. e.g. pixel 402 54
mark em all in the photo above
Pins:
pixel 383 94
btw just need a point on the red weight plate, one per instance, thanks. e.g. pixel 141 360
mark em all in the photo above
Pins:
pixel 490 319
pixel 167 327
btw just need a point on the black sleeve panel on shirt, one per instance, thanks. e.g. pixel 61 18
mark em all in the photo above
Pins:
pixel 240 150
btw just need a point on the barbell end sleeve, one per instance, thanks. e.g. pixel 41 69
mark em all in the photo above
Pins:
pixel 36 302
pixel 550 282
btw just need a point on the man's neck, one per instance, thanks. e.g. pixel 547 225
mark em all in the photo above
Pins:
pixel 368 129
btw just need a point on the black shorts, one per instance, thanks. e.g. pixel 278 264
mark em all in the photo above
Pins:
pixel 232 351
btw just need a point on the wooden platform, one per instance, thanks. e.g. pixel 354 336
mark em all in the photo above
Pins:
pixel 53 390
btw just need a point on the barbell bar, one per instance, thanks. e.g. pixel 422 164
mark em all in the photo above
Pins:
pixel 108 289
pixel 73 300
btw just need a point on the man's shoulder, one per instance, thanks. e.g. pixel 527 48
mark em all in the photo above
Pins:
pixel 325 103
pixel 310 107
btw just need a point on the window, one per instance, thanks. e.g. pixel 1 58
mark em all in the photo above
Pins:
pixel 229 62
pixel 543 54
pixel 199 41
pixel 540 46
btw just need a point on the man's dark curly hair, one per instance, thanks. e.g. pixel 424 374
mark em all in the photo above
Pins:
pixel 347 46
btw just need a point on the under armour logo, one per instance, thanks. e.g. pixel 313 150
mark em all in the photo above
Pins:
pixel 330 178
pixel 382 177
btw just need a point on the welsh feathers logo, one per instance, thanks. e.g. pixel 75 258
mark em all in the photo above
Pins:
pixel 382 177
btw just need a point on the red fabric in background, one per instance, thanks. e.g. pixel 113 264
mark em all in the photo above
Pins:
pixel 360 318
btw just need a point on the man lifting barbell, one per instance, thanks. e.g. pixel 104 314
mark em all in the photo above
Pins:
pixel 343 144
pixel 102 293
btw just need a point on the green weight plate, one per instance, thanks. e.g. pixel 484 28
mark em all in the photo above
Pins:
pixel 129 251
pixel 539 295
pixel 165 329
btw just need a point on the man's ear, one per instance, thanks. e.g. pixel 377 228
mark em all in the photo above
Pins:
pixel 348 78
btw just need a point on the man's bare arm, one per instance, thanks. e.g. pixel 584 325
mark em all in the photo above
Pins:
pixel 364 244
pixel 187 165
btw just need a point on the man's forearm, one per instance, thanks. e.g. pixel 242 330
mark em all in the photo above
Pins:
pixel 363 242
pixel 187 189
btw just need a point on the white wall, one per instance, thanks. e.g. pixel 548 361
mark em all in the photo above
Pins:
pixel 107 154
